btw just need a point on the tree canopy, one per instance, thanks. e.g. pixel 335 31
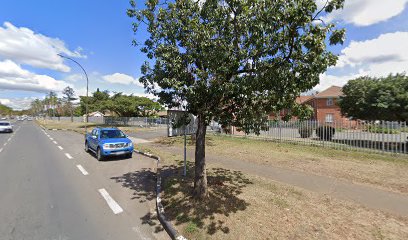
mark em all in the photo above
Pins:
pixel 69 96
pixel 122 105
pixel 5 110
pixel 370 98
pixel 234 61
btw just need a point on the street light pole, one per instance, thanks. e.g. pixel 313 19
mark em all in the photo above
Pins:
pixel 86 75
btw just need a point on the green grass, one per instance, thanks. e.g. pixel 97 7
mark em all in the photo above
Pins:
pixel 191 228
pixel 258 146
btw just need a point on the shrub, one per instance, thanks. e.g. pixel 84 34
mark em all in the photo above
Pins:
pixel 325 132
pixel 305 131
pixel 379 129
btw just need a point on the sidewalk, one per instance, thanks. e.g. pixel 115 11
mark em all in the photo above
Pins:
pixel 339 188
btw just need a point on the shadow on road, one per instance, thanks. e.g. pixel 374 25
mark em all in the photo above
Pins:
pixel 141 182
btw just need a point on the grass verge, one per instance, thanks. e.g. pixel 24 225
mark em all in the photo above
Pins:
pixel 389 172
pixel 243 206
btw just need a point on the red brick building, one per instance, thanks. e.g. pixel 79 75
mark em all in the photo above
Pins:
pixel 326 108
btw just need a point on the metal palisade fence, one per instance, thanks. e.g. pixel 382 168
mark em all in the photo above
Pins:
pixel 375 136
pixel 118 121
pixel 136 121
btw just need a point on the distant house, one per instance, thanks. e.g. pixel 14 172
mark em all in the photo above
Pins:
pixel 95 114
pixel 326 108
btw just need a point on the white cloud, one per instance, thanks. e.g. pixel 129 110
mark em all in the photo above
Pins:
pixel 75 78
pixel 13 77
pixel 22 45
pixel 17 103
pixel 366 12
pixel 121 78
pixel 387 53
pixel 375 57
pixel 148 95
pixel 327 80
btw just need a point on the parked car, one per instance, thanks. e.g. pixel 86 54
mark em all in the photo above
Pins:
pixel 6 126
pixel 106 142
pixel 29 119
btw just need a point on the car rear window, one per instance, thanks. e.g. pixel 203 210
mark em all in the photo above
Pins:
pixel 4 124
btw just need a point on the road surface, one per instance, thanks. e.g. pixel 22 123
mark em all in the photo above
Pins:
pixel 51 189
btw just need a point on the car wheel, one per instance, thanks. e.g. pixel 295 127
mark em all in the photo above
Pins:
pixel 129 155
pixel 86 147
pixel 99 155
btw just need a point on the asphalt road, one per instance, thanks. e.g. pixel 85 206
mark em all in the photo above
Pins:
pixel 51 189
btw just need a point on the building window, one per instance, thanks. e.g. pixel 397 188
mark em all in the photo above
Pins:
pixel 329 102
pixel 329 118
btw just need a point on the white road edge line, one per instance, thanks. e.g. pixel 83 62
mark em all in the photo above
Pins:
pixel 54 142
pixel 82 169
pixel 68 156
pixel 60 147
pixel 109 200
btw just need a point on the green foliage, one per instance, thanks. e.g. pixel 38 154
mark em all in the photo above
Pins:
pixel 5 110
pixel 122 105
pixel 234 61
pixel 379 129
pixel 69 96
pixel 191 227
pixel 371 98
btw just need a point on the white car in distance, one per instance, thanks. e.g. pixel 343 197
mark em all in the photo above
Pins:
pixel 5 126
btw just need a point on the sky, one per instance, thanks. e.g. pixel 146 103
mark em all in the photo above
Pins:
pixel 98 35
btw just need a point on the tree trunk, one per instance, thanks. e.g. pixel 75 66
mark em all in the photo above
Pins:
pixel 200 178
pixel 72 113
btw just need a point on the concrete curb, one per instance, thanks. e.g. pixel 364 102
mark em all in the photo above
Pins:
pixel 159 207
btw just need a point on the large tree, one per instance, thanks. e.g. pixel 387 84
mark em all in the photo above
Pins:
pixel 121 104
pixel 69 96
pixel 37 107
pixel 132 106
pixel 233 61
pixel 371 98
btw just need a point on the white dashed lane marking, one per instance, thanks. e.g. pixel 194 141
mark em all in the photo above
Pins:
pixel 60 148
pixel 51 139
pixel 82 169
pixel 109 200
pixel 1 149
pixel 68 156
pixel 54 142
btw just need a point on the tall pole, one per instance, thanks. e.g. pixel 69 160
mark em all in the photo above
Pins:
pixel 86 75
pixel 87 83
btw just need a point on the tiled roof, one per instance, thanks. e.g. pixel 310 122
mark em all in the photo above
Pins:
pixel 302 99
pixel 333 91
